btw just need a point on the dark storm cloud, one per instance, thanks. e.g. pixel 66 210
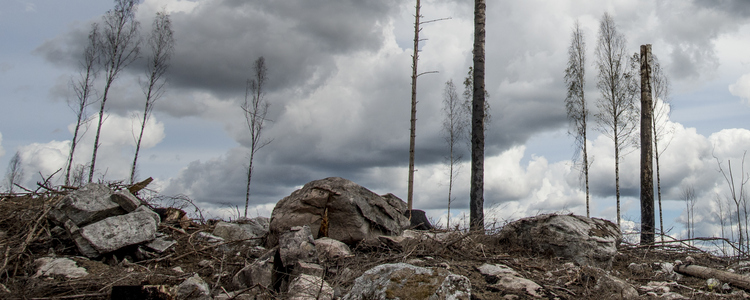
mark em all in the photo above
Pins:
pixel 218 41
pixel 738 8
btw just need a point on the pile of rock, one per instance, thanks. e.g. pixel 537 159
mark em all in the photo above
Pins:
pixel 101 221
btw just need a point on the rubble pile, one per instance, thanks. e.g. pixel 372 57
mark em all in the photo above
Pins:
pixel 332 239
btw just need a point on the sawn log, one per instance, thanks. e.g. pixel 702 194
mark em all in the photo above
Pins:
pixel 734 279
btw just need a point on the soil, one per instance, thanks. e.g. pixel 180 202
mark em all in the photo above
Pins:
pixel 26 235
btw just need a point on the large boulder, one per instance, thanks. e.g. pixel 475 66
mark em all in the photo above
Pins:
pixel 405 281
pixel 251 230
pixel 587 241
pixel 116 232
pixel 89 204
pixel 339 209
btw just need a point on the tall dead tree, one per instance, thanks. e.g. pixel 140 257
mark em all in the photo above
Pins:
pixel 476 200
pixel 454 129
pixel 647 155
pixel 413 120
pixel 83 87
pixel 161 46
pixel 120 46
pixel 617 84
pixel 255 108
pixel 575 102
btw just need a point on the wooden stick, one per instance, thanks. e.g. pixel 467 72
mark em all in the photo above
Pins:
pixel 734 279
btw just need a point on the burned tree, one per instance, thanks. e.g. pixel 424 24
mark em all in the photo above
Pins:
pixel 255 109
pixel 617 84
pixel 83 87
pixel 476 199
pixel 647 165
pixel 575 101
pixel 120 46
pixel 161 46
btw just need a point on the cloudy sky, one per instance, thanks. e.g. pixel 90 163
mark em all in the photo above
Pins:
pixel 339 89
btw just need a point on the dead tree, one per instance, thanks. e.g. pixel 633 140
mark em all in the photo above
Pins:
pixel 14 174
pixel 617 84
pixel 413 119
pixel 161 46
pixel 120 46
pixel 255 109
pixel 83 87
pixel 476 201
pixel 688 194
pixel 647 155
pixel 736 196
pixel 454 129
pixel 575 102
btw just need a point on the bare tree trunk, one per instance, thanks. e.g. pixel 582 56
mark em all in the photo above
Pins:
pixel 737 280
pixel 476 203
pixel 413 128
pixel 647 164
pixel 454 128
pixel 617 179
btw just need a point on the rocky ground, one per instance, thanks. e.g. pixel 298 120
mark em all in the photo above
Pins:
pixel 211 259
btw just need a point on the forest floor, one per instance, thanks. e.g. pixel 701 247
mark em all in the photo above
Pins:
pixel 26 235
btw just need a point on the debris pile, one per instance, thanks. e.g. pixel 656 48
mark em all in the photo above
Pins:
pixel 332 239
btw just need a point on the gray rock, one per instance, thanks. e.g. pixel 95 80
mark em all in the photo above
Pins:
pixel 86 205
pixel 330 249
pixel 309 287
pixel 509 280
pixel 587 241
pixel 161 244
pixel 116 232
pixel 251 229
pixel 404 281
pixel 126 200
pixel 49 266
pixel 297 245
pixel 193 288
pixel 607 284
pixel 308 268
pixel 259 272
pixel 353 213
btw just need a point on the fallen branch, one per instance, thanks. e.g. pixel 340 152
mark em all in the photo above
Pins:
pixel 213 246
pixel 734 279
pixel 73 296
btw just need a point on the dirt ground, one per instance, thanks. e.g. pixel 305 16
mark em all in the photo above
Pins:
pixel 26 235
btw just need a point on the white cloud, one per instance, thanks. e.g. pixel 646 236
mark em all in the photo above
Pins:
pixel 114 157
pixel 741 88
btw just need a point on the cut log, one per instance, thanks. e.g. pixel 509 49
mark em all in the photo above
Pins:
pixel 734 279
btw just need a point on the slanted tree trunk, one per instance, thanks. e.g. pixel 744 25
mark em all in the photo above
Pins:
pixel 647 165
pixel 476 203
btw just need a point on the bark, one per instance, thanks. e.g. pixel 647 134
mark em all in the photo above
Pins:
pixel 647 169
pixel 734 279
pixel 413 128
pixel 476 203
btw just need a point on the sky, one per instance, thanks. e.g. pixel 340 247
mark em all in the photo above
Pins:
pixel 339 93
